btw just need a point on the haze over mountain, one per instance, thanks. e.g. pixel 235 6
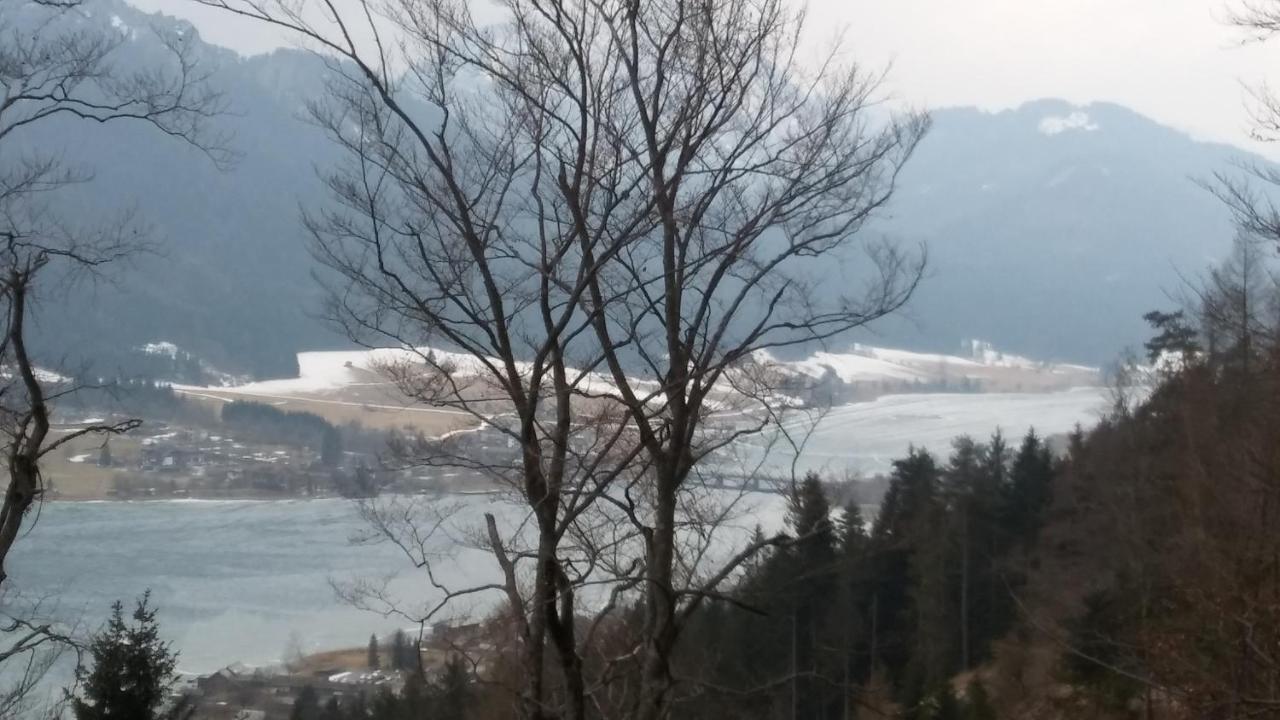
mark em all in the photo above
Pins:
pixel 1050 228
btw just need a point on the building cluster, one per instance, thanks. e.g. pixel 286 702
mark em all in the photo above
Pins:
pixel 241 692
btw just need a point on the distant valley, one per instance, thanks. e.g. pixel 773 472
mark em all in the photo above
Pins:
pixel 1050 229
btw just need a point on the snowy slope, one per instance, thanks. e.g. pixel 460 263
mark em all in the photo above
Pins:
pixel 866 437
pixel 333 370
pixel 865 363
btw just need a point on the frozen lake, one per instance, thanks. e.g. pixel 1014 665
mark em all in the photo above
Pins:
pixel 235 579
pixel 865 438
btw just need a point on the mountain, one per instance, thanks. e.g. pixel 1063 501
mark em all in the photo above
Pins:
pixel 1051 228
pixel 230 279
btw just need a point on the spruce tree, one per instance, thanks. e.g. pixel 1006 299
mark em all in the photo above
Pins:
pixel 133 670
pixel 814 566
pixel 1030 489
pixel 332 710
pixel 306 706
pixel 978 703
pixel 453 691
pixel 399 651
pixel 375 656
pixel 906 525
pixel 331 447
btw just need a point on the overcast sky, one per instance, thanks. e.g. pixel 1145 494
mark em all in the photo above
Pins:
pixel 1174 60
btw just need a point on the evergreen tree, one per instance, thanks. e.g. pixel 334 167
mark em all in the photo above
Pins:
pixel 964 478
pixel 1029 491
pixel 375 656
pixel 947 707
pixel 814 568
pixel 978 703
pixel 903 538
pixel 453 691
pixel 133 669
pixel 851 611
pixel 332 710
pixel 356 707
pixel 306 706
pixel 331 447
pixel 415 699
pixel 1174 336
pixel 399 651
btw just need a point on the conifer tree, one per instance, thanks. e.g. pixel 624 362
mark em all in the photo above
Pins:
pixel 453 691
pixel 978 703
pixel 332 710
pixel 306 706
pixel 330 447
pixel 399 651
pixel 814 578
pixel 374 656
pixel 133 670
pixel 906 524
pixel 1029 491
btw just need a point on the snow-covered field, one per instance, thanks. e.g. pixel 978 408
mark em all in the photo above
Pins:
pixel 327 371
pixel 864 363
pixel 866 437
pixel 858 438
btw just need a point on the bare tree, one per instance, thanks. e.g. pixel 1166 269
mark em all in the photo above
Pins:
pixel 1248 193
pixel 598 213
pixel 56 64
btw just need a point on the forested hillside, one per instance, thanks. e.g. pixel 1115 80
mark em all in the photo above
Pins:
pixel 1135 576
pixel 1085 216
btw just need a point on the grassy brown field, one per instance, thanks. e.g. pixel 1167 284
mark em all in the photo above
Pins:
pixel 84 480
pixel 379 412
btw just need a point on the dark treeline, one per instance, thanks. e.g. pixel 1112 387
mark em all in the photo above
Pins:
pixel 139 398
pixel 901 604
pixel 271 425
pixel 446 695
pixel 1160 564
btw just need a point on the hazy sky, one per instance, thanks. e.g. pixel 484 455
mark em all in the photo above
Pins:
pixel 1175 60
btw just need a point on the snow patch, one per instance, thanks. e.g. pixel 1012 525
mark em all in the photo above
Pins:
pixel 1056 124
pixel 49 376
pixel 163 347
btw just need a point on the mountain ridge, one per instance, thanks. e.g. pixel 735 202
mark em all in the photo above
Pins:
pixel 1051 227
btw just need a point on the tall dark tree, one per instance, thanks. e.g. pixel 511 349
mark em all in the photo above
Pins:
pixel 332 710
pixel 52 67
pixel 331 447
pixel 374 658
pixel 307 705
pixel 133 670
pixel 1030 489
pixel 813 564
pixel 453 691
pixel 400 651
pixel 907 521
pixel 1175 335
pixel 636 189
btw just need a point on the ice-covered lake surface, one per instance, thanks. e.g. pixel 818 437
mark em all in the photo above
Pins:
pixel 235 579
pixel 865 438
pixel 232 579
